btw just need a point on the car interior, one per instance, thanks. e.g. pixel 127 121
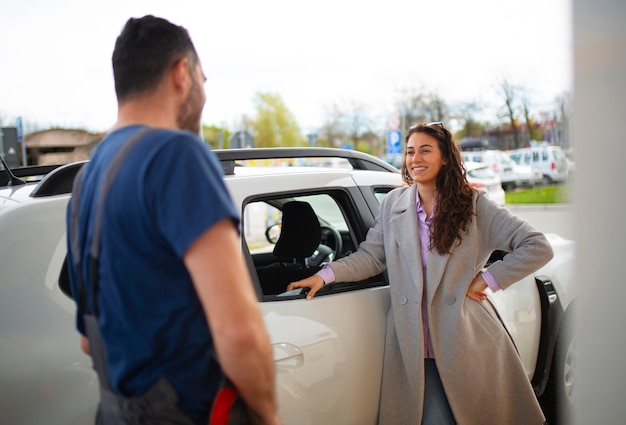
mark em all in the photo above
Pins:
pixel 300 240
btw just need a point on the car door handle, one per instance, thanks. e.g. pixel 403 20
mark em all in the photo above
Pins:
pixel 287 357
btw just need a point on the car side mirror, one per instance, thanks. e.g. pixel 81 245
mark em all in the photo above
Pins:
pixel 272 233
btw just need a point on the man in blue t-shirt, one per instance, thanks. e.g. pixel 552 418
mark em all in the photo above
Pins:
pixel 164 302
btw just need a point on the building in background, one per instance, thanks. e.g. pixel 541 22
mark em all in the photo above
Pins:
pixel 59 146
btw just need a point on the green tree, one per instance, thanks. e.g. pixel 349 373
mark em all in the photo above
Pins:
pixel 216 137
pixel 275 125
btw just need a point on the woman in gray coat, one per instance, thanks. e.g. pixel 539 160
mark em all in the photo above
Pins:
pixel 448 359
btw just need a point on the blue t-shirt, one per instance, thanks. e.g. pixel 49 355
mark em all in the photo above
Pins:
pixel 168 192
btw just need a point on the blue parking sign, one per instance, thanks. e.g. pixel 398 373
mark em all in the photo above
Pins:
pixel 394 146
pixel 18 129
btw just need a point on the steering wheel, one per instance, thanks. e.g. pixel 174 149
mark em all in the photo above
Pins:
pixel 337 241
pixel 324 253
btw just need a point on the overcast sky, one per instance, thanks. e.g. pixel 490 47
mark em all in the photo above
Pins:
pixel 56 70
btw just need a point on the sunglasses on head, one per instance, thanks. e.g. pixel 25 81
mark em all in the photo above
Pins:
pixel 430 124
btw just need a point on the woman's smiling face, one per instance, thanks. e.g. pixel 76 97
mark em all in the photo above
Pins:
pixel 423 159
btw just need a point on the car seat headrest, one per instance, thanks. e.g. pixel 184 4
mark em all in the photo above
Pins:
pixel 300 234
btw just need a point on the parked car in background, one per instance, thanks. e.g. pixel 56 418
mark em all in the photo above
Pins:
pixel 482 177
pixel 328 352
pixel 549 159
pixel 500 163
pixel 527 175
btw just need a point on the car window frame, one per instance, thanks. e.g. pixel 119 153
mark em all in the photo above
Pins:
pixel 350 203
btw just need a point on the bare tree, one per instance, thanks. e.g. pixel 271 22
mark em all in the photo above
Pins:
pixel 466 113
pixel 420 106
pixel 333 129
pixel 348 122
pixel 409 105
pixel 357 121
pixel 436 108
pixel 528 118
pixel 509 93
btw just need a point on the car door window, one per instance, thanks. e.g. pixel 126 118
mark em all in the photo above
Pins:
pixel 264 222
pixel 527 159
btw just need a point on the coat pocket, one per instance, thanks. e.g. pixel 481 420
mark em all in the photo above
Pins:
pixel 484 317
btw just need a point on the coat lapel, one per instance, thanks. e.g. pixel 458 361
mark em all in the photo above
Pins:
pixel 403 221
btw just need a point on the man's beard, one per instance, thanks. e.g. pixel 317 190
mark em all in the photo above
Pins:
pixel 191 110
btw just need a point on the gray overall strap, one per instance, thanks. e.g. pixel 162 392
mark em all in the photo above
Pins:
pixel 91 322
pixel 105 185
pixel 107 180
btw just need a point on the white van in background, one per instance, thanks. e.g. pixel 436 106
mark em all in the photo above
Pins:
pixel 550 160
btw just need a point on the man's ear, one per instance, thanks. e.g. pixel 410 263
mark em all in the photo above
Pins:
pixel 180 75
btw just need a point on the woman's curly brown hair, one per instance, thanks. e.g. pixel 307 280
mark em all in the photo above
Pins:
pixel 454 194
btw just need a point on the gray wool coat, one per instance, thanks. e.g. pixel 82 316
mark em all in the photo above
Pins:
pixel 480 369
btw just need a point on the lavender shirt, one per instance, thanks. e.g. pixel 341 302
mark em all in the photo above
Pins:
pixel 423 224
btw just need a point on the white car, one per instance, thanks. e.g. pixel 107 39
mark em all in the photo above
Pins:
pixel 328 351
pixel 482 177
pixel 499 162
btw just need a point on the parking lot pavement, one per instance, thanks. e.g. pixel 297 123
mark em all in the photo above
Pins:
pixel 549 218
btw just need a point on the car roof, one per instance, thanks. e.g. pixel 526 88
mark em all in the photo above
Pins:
pixel 230 158
pixel 58 179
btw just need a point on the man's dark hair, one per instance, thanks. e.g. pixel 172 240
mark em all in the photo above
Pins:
pixel 145 49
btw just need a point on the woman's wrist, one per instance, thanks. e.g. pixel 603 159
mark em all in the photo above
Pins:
pixel 326 274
